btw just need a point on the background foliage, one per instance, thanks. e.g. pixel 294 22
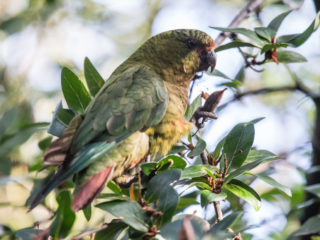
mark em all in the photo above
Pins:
pixel 223 166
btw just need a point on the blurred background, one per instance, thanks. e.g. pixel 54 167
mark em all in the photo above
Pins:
pixel 38 37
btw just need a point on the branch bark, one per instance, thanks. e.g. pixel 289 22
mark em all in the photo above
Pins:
pixel 250 7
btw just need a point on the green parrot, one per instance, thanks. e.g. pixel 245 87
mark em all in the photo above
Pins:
pixel 138 111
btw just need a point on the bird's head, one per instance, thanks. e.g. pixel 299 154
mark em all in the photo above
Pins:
pixel 180 53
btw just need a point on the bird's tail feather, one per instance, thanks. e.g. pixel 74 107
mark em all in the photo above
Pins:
pixel 80 161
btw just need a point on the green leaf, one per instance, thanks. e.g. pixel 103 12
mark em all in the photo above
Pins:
pixel 177 149
pixel 298 39
pixel 112 232
pixel 290 57
pixel 129 212
pixel 174 162
pixel 226 222
pixel 233 84
pixel 274 183
pixel 235 44
pixel 245 192
pixel 159 190
pixel 27 233
pixel 217 73
pixel 45 143
pixel 64 218
pixel 270 46
pixel 238 144
pixel 93 78
pixel 76 95
pixel 246 32
pixel 199 148
pixel 193 107
pixel 10 142
pixel 196 171
pixel 148 167
pixel 246 167
pixel 87 212
pixel 276 22
pixel 113 187
pixel 60 120
pixel 218 150
pixel 266 33
pixel 185 202
pixel 311 226
pixel 207 197
pixel 314 189
pixel 255 155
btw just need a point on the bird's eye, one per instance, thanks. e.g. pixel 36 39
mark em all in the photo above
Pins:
pixel 191 43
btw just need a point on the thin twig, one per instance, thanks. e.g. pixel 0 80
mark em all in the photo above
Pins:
pixel 251 6
pixel 218 210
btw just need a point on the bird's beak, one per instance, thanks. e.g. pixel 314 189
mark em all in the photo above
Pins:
pixel 211 60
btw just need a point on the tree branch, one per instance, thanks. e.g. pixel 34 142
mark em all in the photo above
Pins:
pixel 218 211
pixel 250 7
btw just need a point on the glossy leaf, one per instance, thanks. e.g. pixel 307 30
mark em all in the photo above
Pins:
pixel 60 120
pixel 311 226
pixel 246 32
pixel 245 192
pixel 218 150
pixel 93 78
pixel 270 46
pixel 198 149
pixel 255 155
pixel 129 212
pixel 27 233
pixel 238 144
pixel 193 107
pixel 196 171
pixel 87 212
pixel 315 189
pixel 276 22
pixel 148 167
pixel 234 44
pixel 185 202
pixel 226 222
pixel 76 95
pixel 274 183
pixel 159 190
pixel 113 230
pixel 207 197
pixel 64 218
pixel 266 33
pixel 290 57
pixel 298 39
pixel 220 74
pixel 174 162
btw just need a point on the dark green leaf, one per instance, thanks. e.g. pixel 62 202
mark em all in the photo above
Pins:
pixel 246 32
pixel 247 167
pixel 193 107
pixel 290 57
pixel 274 183
pixel 298 39
pixel 255 155
pixel 112 232
pixel 114 187
pixel 266 33
pixel 217 73
pixel 113 196
pixel 276 22
pixel 64 218
pixel 226 222
pixel 148 167
pixel 218 150
pixel 76 95
pixel 245 192
pixel 234 44
pixel 158 189
pixel 196 171
pixel 311 226
pixel 129 212
pixel 233 84
pixel 45 143
pixel 87 212
pixel 199 148
pixel 174 162
pixel 270 46
pixel 27 233
pixel 60 120
pixel 185 202
pixel 238 144
pixel 15 140
pixel 207 197
pixel 315 189
pixel 93 78
pixel 240 75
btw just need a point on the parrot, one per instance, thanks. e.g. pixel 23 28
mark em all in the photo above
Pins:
pixel 137 112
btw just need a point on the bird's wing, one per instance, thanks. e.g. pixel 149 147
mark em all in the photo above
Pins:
pixel 129 102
